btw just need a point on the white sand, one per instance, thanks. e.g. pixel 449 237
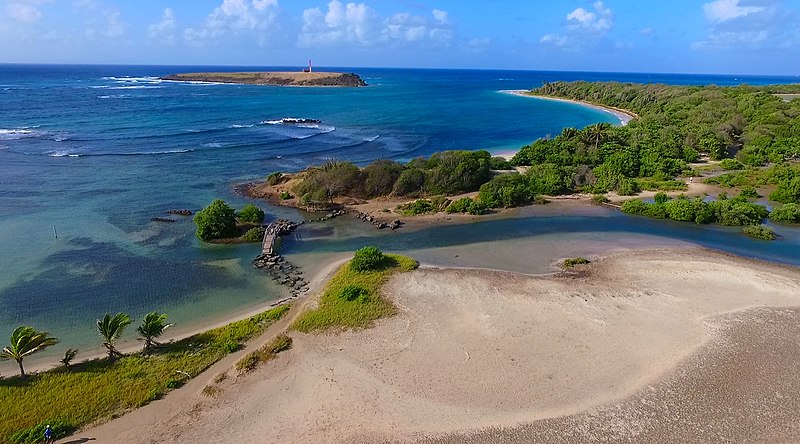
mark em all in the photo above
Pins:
pixel 472 349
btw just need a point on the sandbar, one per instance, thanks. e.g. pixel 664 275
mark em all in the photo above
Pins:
pixel 624 116
pixel 664 345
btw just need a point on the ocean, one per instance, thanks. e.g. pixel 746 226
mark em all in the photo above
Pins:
pixel 89 154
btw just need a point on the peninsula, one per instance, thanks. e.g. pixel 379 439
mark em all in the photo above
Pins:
pixel 272 78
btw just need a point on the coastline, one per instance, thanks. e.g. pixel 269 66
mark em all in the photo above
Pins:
pixel 457 327
pixel 624 116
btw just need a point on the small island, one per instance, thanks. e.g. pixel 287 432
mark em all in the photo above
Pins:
pixel 272 78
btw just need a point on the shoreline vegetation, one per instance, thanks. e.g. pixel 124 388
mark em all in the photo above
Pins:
pixel 301 79
pixel 669 136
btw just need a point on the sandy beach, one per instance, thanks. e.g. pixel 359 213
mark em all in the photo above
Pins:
pixel 668 345
pixel 623 115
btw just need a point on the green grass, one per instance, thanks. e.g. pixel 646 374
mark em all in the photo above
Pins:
pixel 264 354
pixel 335 311
pixel 100 389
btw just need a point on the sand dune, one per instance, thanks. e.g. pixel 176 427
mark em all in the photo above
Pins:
pixel 611 352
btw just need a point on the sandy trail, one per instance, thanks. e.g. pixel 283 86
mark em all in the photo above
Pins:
pixel 507 353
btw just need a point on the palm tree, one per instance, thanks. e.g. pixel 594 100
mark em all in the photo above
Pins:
pixel 111 328
pixel 153 326
pixel 69 355
pixel 25 341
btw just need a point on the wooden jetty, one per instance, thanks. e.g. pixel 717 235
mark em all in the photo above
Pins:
pixel 270 235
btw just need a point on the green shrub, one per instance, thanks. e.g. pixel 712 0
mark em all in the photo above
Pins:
pixel 506 190
pixel 255 234
pixel 749 193
pixel 279 344
pixel 354 292
pixel 627 187
pixel 35 434
pixel 759 232
pixel 478 208
pixel 409 183
pixel 731 164
pixel 634 206
pixel 216 221
pixel 788 213
pixel 600 199
pixel 274 178
pixel 380 177
pixel 421 206
pixel 660 198
pixel 500 163
pixel 251 214
pixel 285 195
pixel 569 263
pixel 368 259
pixel 460 206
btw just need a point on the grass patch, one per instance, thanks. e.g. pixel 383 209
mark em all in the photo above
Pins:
pixel 263 354
pixel 569 263
pixel 99 389
pixel 338 310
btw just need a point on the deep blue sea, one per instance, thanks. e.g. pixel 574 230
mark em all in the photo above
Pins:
pixel 91 153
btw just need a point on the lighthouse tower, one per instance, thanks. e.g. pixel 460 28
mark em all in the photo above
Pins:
pixel 309 65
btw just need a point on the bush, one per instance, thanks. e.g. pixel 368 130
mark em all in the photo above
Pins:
pixel 600 199
pixel 285 195
pixel 35 434
pixel 759 232
pixel 460 206
pixel 275 178
pixel 216 221
pixel 789 213
pixel 634 206
pixel 627 187
pixel 421 206
pixel 367 259
pixel 749 193
pixel 251 214
pixel 569 263
pixel 731 164
pixel 478 208
pixel 409 183
pixel 255 234
pixel 500 163
pixel 506 190
pixel 380 177
pixel 352 293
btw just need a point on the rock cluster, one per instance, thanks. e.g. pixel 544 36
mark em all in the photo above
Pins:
pixel 332 215
pixel 282 272
pixel 161 219
pixel 182 212
pixel 282 226
pixel 395 224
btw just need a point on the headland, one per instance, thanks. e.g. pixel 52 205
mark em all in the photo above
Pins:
pixel 272 78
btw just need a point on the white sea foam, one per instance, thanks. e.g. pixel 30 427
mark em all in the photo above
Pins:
pixel 242 126
pixel 214 145
pixel 137 87
pixel 18 133
pixel 372 139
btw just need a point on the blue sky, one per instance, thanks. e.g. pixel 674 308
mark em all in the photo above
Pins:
pixel 713 36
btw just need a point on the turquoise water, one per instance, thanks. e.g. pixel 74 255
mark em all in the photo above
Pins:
pixel 93 152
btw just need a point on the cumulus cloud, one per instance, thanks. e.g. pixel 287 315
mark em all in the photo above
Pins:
pixel 761 25
pixel 720 11
pixel 582 27
pixel 235 17
pixel 601 19
pixel 359 24
pixel 25 11
pixel 164 30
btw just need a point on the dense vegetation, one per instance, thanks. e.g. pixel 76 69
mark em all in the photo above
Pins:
pixel 68 398
pixel 785 177
pixel 676 125
pixel 220 221
pixel 736 211
pixel 352 298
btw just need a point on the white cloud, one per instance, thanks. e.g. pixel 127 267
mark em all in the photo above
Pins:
pixel 26 11
pixel 115 27
pixel 235 17
pixel 583 28
pixel 720 11
pixel 164 30
pixel 359 24
pixel 600 20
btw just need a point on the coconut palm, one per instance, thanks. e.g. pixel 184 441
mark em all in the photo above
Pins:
pixel 153 326
pixel 69 355
pixel 25 341
pixel 111 328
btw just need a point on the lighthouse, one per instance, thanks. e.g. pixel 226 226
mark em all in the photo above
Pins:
pixel 309 66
